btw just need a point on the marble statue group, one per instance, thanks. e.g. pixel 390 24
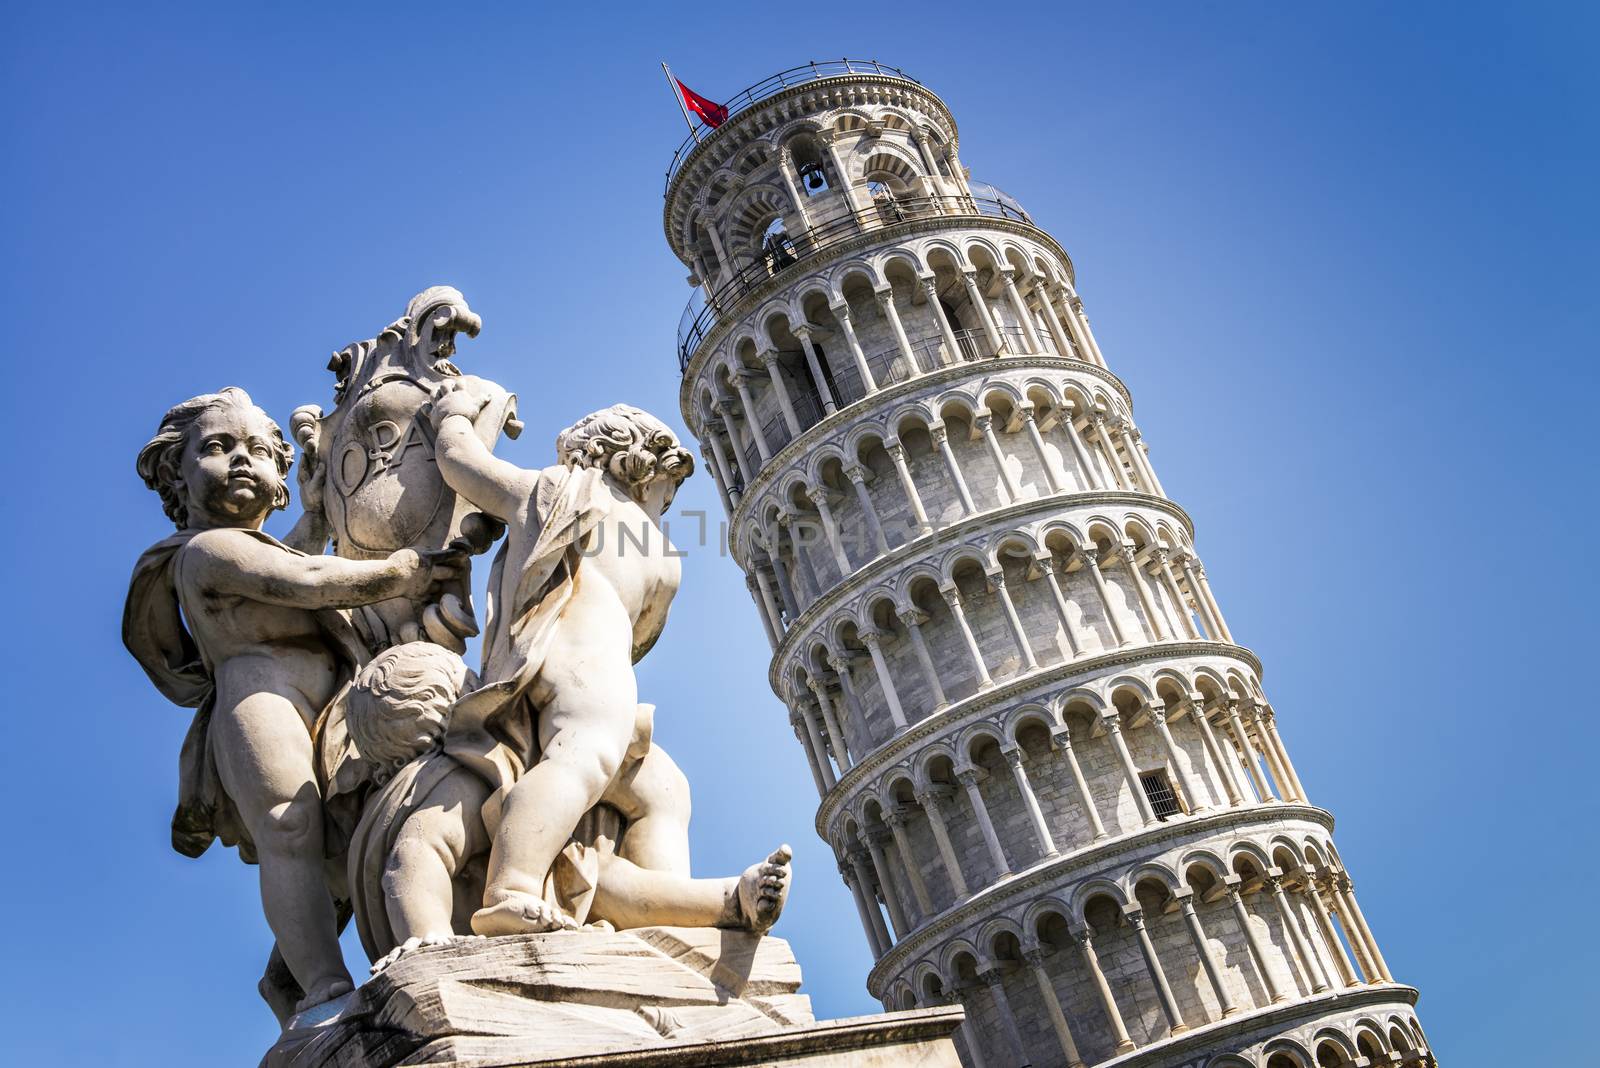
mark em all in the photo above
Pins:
pixel 341 742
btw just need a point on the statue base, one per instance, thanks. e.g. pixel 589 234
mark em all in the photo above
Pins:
pixel 655 996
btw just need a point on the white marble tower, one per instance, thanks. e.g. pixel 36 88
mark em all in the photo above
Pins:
pixel 1051 776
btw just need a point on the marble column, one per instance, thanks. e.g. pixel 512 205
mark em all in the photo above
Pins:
pixel 818 746
pixel 780 574
pixel 1152 964
pixel 968 778
pixel 1034 956
pixel 969 278
pixel 873 838
pixel 1202 949
pixel 913 618
pixel 1163 558
pixel 859 862
pixel 1219 758
pixel 841 313
pixel 858 479
pixel 1030 800
pixel 1091 562
pixel 1291 923
pixel 931 800
pixel 764 609
pixel 1130 560
pixel 1076 306
pixel 1113 725
pixel 764 584
pixel 1204 586
pixel 986 428
pixel 1242 916
pixel 1014 621
pixel 1247 750
pixel 898 818
pixel 952 597
pixel 1330 937
pixel 841 753
pixel 1347 895
pixel 897 453
pixel 752 417
pixel 1108 446
pixel 721 457
pixel 1063 340
pixel 1186 780
pixel 829 406
pixel 873 640
pixel 1062 737
pixel 818 496
pixel 1031 425
pixel 1270 718
pixel 1093 477
pixel 797 720
pixel 941 441
pixel 1119 1030
pixel 885 298
pixel 1008 1021
pixel 930 288
pixel 774 366
pixel 1063 612
pixel 1279 776
pixel 1079 342
pixel 1019 306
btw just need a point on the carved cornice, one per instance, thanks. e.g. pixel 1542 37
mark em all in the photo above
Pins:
pixel 944 537
pixel 962 712
pixel 833 426
pixel 1071 868
pixel 817 262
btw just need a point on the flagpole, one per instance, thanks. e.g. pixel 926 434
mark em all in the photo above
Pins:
pixel 677 94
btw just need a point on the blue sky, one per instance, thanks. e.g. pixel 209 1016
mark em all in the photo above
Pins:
pixel 1339 253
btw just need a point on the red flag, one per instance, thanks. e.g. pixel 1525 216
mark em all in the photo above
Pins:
pixel 711 113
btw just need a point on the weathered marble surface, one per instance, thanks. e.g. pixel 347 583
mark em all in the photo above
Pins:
pixel 656 995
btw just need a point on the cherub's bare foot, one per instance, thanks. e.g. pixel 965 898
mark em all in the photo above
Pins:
pixel 763 890
pixel 518 913
pixel 415 943
pixel 326 990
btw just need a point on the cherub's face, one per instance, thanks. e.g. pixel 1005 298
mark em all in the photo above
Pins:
pixel 229 467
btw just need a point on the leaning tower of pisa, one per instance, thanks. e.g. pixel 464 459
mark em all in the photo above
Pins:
pixel 1050 774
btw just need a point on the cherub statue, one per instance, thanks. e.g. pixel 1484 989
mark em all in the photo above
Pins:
pixel 416 862
pixel 579 592
pixel 228 620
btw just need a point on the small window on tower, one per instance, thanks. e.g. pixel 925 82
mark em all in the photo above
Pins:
pixel 1159 792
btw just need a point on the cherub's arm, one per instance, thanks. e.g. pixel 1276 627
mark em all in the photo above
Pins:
pixel 309 533
pixel 490 484
pixel 232 562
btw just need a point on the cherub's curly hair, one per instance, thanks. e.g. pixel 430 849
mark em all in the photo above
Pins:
pixel 162 455
pixel 399 705
pixel 633 446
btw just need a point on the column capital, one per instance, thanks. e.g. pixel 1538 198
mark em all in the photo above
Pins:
pixel 939 433
pixel 839 663
pixel 1035 954
pixel 856 474
pixel 768 357
pixel 1158 714
pixel 1129 553
pixel 884 295
pixel 819 496
pixel 1090 558
pixel 968 776
pixel 1061 736
pixel 997 578
pixel 951 595
pixel 1161 556
pixel 929 282
pixel 991 975
pixel 802 331
pixel 841 312
pixel 871 637
pixel 1013 755
pixel 895 449
pixel 876 834
pixel 932 797
pixel 898 816
pixel 912 616
pixel 1134 915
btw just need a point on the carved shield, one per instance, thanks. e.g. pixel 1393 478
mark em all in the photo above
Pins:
pixel 384 491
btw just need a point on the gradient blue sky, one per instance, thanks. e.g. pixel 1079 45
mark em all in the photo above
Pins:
pixel 1339 253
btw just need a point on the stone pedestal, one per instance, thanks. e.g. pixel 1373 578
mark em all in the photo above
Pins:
pixel 656 996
